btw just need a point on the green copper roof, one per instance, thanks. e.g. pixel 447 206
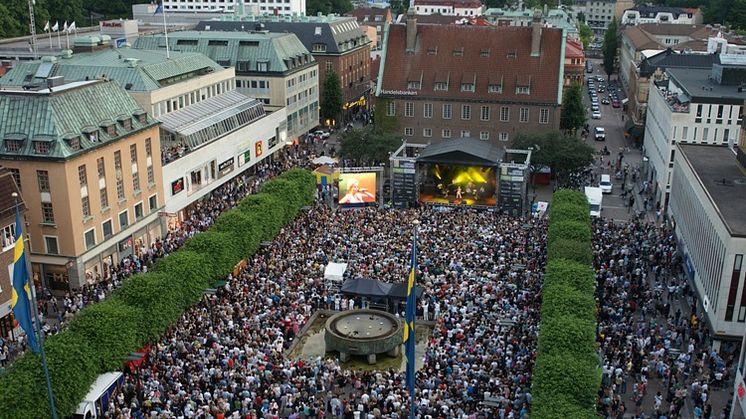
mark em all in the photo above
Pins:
pixel 78 111
pixel 228 48
pixel 136 70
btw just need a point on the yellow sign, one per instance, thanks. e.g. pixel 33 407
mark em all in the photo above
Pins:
pixel 359 102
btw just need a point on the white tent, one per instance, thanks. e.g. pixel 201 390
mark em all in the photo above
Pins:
pixel 335 272
pixel 324 160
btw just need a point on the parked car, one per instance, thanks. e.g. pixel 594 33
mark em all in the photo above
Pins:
pixel 594 107
pixel 616 104
pixel 601 89
pixel 605 101
pixel 322 133
pixel 605 184
pixel 600 134
pixel 599 78
pixel 596 115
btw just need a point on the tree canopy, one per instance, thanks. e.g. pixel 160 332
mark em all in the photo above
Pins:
pixel 563 154
pixel 586 33
pixel 610 46
pixel 573 112
pixel 331 103
pixel 326 7
pixel 368 146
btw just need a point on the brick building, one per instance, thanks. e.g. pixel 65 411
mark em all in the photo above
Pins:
pixel 451 81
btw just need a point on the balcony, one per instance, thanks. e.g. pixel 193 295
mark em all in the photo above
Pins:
pixel 677 102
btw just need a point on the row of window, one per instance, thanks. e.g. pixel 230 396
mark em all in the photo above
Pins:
pixel 107 227
pixel 484 112
pixel 468 87
pixel 446 133
pixel 190 98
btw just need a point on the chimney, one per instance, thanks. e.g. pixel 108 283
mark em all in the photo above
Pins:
pixel 411 30
pixel 535 35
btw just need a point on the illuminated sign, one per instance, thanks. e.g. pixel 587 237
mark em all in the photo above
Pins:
pixel 399 92
pixel 177 186
pixel 259 148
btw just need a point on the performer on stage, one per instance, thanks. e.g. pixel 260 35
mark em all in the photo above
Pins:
pixel 458 192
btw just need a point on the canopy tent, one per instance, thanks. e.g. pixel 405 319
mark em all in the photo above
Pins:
pixel 335 272
pixel 324 160
pixel 372 288
pixel 463 151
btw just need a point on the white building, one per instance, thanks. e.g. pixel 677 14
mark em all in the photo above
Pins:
pixel 599 13
pixel 691 106
pixel 280 7
pixel 661 14
pixel 448 7
pixel 707 202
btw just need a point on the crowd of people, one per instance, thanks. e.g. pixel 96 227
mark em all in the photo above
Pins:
pixel 481 276
pixel 645 336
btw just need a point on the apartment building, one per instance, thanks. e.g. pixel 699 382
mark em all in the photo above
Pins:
pixel 8 330
pixel 373 17
pixel 452 81
pixel 337 43
pixel 707 200
pixel 691 106
pixel 599 14
pixel 448 7
pixel 661 14
pixel 86 157
pixel 274 7
pixel 274 68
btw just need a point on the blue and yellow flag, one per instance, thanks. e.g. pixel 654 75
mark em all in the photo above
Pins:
pixel 21 292
pixel 409 331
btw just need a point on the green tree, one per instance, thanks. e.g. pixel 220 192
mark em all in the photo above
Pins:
pixel 581 18
pixel 383 121
pixel 563 154
pixel 586 33
pixel 610 46
pixel 331 103
pixel 326 7
pixel 737 14
pixel 369 145
pixel 573 112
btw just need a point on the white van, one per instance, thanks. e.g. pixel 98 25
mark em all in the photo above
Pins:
pixel 96 402
pixel 595 198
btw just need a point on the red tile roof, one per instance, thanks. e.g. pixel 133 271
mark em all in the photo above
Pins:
pixel 573 49
pixel 500 44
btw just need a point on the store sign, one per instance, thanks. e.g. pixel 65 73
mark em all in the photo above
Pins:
pixel 399 92
pixel 226 167
pixel 111 24
pixel 259 149
pixel 177 186
pixel 125 244
pixel 352 104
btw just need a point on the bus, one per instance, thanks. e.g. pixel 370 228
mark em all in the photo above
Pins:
pixel 96 402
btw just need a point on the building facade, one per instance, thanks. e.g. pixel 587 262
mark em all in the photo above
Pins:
pixel 707 199
pixel 661 14
pixel 450 81
pixel 448 7
pixel 279 7
pixel 90 176
pixel 375 18
pixel 574 63
pixel 599 14
pixel 7 243
pixel 690 107
pixel 274 68
pixel 337 43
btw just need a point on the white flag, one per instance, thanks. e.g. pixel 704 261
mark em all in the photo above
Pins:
pixel 56 26
pixel 46 27
pixel 64 27
pixel 71 27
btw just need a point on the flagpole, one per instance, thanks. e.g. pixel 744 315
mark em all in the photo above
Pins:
pixel 59 41
pixel 39 331
pixel 165 29
pixel 411 362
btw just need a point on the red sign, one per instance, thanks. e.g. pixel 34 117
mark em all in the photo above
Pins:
pixel 111 24
pixel 741 391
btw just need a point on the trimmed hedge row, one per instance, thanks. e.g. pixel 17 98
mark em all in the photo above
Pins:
pixel 566 377
pixel 101 337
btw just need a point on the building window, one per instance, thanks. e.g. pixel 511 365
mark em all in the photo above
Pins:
pixel 465 112
pixel 544 116
pixel 124 220
pixel 118 171
pixel 503 136
pixel 522 90
pixel 9 235
pixel 328 66
pixel 82 176
pixel 446 133
pixel 495 88
pixel 409 109
pixel 262 66
pixel 41 147
pixel 90 238
pixel 467 87
pixel 107 228
pixel 735 276
pixel 427 110
pixel 85 203
pixel 13 146
pixel 484 135
pixel 138 211
pixel 409 131
pixel 447 111
pixel 47 213
pixel 465 134
pixel 104 198
pixel 100 168
pixel 391 111
pixel 440 86
pixel 153 203
pixel 413 85
pixel 484 113
pixel 504 114
pixel 427 132
pixel 42 176
pixel 50 245
pixel 16 177
pixel 135 180
pixel 524 115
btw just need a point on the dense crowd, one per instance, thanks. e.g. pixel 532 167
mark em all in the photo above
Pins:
pixel 642 338
pixel 480 273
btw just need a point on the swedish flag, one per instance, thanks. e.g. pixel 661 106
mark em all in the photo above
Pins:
pixel 21 292
pixel 409 331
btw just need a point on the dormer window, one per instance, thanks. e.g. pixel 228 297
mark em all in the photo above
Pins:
pixel 440 86
pixel 512 54
pixel 432 51
pixel 126 123
pixel 111 130
pixel 522 90
pixel 262 66
pixel 495 88
pixel 458 52
pixel 73 142
pixel 41 147
pixel 414 85
pixel 484 53
pixel 467 87
pixel 142 117
pixel 13 145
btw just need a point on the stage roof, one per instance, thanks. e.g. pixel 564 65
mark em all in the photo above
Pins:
pixel 466 151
